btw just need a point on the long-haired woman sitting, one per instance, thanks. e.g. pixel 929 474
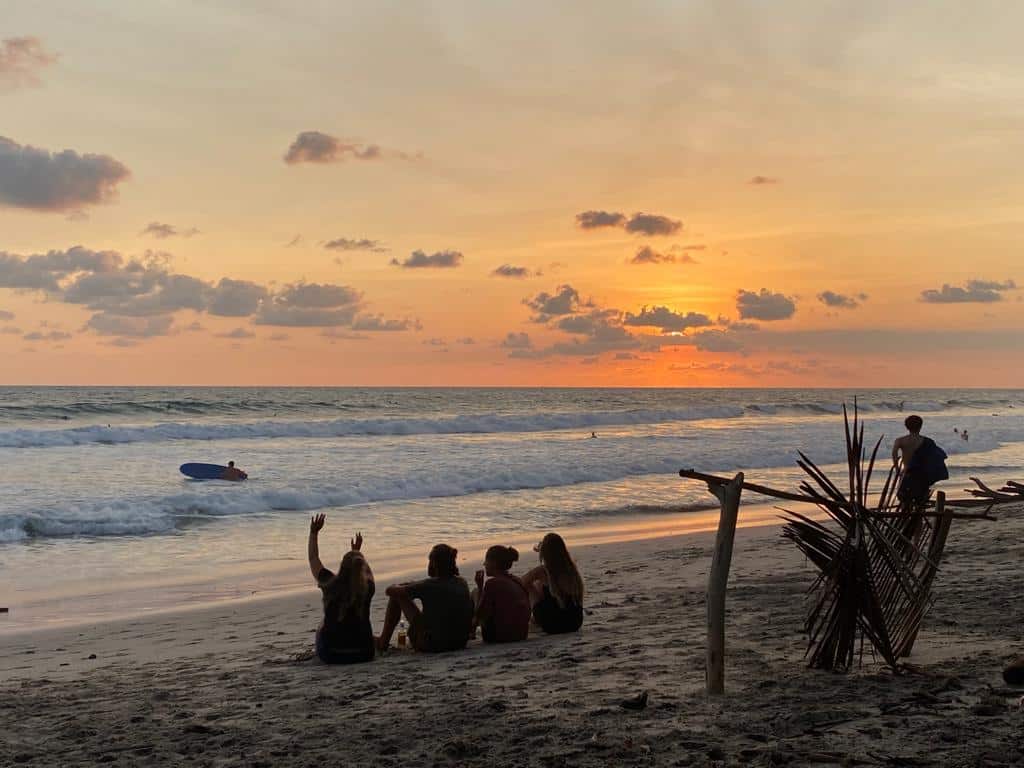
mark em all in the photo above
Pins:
pixel 345 636
pixel 556 588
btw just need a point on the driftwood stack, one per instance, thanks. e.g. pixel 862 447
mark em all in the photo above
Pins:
pixel 877 559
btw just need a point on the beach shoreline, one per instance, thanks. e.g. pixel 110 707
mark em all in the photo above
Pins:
pixel 227 684
pixel 219 586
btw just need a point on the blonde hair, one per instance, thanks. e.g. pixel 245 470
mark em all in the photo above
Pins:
pixel 564 581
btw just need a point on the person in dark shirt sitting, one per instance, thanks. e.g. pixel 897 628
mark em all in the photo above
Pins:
pixel 345 635
pixel 444 621
pixel 556 588
pixel 502 602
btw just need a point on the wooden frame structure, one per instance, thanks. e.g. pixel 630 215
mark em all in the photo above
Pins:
pixel 876 565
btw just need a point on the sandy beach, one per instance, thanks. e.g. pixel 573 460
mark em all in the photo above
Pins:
pixel 231 684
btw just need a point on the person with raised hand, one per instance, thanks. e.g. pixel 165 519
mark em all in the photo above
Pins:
pixel 345 635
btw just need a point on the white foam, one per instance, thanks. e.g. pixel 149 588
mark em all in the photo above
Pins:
pixel 475 424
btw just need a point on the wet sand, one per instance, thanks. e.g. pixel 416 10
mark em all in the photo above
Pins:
pixel 230 685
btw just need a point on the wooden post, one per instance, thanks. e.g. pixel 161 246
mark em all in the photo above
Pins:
pixel 718 577
pixel 942 525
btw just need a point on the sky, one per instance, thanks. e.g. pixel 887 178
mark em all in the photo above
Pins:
pixel 460 193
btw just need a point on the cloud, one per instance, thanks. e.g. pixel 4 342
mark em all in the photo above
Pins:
pixel 378 323
pixel 841 301
pixel 336 334
pixel 638 224
pixel 5 315
pixel 438 260
pixel 21 61
pixel 598 219
pixel 164 231
pixel 652 224
pixel 39 180
pixel 507 270
pixel 317 295
pixel 11 330
pixel 564 301
pixel 360 244
pixel 647 255
pixel 975 292
pixel 278 337
pixel 137 290
pixel 236 298
pixel 317 147
pixel 310 305
pixel 764 305
pixel 667 320
pixel 237 333
pixel 764 180
pixel 466 340
pixel 297 240
pixel 43 272
pixel 133 327
pixel 514 340
pixel 717 341
pixel 123 293
pixel 47 336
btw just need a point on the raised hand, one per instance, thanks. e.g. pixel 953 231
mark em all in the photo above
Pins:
pixel 357 542
pixel 317 522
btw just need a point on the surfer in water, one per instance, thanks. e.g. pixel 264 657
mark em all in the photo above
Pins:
pixel 233 473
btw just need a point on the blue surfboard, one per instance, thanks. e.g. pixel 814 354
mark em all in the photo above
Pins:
pixel 203 471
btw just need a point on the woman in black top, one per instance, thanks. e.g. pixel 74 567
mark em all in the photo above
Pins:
pixel 556 588
pixel 345 636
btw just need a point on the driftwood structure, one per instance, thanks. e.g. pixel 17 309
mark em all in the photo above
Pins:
pixel 877 559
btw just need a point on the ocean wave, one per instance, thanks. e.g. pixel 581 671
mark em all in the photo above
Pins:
pixel 472 424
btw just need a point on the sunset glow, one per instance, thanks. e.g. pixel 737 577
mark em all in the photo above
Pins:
pixel 669 194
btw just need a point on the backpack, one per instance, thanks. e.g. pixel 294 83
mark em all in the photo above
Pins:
pixel 930 460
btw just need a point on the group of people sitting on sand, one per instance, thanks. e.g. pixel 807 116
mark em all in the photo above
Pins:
pixel 447 613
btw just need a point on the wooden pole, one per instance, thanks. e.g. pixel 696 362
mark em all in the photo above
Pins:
pixel 938 544
pixel 728 496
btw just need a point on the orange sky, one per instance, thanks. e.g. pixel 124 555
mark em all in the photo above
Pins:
pixel 810 177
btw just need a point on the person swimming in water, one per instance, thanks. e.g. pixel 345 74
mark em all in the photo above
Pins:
pixel 233 473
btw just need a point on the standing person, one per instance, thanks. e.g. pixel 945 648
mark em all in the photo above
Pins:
pixel 556 588
pixel 502 601
pixel 444 621
pixel 964 436
pixel 345 635
pixel 924 463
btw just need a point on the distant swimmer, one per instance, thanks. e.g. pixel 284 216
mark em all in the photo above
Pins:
pixel 964 436
pixel 233 473
pixel 902 403
pixel 593 435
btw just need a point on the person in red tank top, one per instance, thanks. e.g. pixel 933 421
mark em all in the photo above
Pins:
pixel 502 602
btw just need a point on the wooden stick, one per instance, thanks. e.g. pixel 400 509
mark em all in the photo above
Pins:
pixel 728 496
pixel 934 557
pixel 764 490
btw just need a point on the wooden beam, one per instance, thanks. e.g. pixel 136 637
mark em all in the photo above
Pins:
pixel 764 490
pixel 934 558
pixel 728 496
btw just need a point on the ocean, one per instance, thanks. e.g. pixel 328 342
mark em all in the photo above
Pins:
pixel 96 520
